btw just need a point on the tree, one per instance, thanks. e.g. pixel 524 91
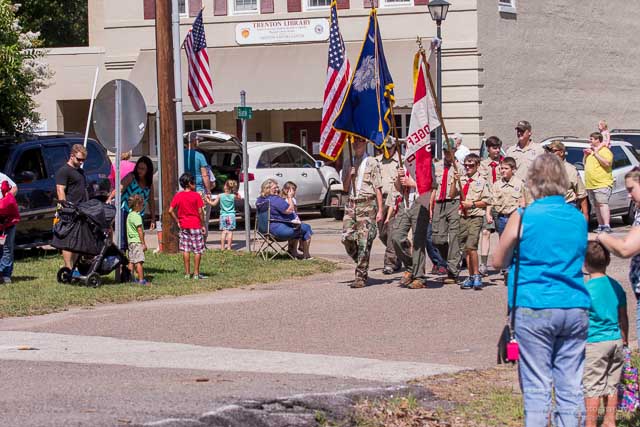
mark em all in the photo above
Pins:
pixel 23 74
pixel 61 23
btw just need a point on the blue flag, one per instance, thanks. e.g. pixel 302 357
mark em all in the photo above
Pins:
pixel 367 105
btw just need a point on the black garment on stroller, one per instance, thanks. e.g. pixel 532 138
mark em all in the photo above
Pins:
pixel 83 228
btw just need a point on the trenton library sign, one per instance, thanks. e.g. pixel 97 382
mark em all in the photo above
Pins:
pixel 284 31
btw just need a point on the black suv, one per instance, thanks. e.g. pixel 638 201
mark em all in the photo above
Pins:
pixel 32 161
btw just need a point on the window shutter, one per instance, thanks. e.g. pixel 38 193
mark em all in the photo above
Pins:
pixel 149 9
pixel 219 7
pixel 294 5
pixel 367 3
pixel 194 7
pixel 266 6
pixel 420 2
pixel 343 4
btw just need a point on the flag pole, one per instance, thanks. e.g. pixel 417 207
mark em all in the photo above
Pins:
pixel 444 128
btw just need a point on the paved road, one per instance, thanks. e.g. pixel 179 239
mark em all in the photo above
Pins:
pixel 143 362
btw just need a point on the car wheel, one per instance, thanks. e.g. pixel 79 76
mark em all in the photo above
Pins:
pixel 64 275
pixel 631 214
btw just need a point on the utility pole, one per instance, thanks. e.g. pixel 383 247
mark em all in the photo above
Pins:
pixel 166 108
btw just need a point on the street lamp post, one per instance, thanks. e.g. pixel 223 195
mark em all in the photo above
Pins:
pixel 438 10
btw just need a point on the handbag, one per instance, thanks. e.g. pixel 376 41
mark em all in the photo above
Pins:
pixel 628 393
pixel 508 349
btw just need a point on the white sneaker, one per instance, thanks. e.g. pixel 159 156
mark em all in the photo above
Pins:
pixel 483 270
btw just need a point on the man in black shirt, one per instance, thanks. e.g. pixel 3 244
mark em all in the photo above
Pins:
pixel 71 186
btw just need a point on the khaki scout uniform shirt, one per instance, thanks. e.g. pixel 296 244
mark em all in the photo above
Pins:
pixel 524 157
pixel 478 192
pixel 506 195
pixel 576 190
pixel 371 180
pixel 389 173
pixel 486 170
pixel 451 185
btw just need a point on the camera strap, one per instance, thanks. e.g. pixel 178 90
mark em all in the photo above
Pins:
pixel 512 320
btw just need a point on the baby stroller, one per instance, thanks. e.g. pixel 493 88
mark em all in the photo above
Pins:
pixel 86 229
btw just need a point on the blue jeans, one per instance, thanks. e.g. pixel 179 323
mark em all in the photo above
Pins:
pixel 432 252
pixel 501 223
pixel 552 343
pixel 6 262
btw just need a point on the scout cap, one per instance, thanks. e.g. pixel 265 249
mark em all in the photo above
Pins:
pixel 523 125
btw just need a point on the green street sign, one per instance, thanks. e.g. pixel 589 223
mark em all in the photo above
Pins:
pixel 244 113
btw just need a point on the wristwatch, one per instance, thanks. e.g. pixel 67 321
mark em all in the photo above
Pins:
pixel 473 205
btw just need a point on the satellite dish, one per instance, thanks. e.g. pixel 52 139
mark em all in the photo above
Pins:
pixel 132 120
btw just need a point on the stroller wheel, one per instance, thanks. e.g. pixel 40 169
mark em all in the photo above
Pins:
pixel 94 280
pixel 64 275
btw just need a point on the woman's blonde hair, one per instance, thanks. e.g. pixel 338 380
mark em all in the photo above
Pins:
pixel 265 188
pixel 547 177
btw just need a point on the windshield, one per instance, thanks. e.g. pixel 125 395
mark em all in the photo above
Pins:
pixel 574 155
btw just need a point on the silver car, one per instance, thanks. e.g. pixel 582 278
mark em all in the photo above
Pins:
pixel 625 158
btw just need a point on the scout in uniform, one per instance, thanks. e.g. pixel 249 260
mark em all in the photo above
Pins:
pixel 490 171
pixel 445 209
pixel 389 169
pixel 507 194
pixel 364 209
pixel 576 193
pixel 476 197
pixel 524 151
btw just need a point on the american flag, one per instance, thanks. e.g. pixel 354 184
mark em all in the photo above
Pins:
pixel 338 71
pixel 200 85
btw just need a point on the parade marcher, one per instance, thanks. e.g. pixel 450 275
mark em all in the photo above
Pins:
pixel 490 171
pixel 445 205
pixel 525 150
pixel 598 179
pixel 439 264
pixel 71 186
pixel 507 194
pixel 412 216
pixel 476 197
pixel 552 301
pixel 629 246
pixel 389 169
pixel 576 194
pixel 362 180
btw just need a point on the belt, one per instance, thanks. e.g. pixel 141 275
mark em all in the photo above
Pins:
pixel 504 215
pixel 447 200
pixel 361 199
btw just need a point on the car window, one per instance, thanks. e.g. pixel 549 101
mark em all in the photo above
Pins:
pixel 574 155
pixel 95 158
pixel 30 166
pixel 55 156
pixel 301 159
pixel 4 156
pixel 632 139
pixel 620 158
pixel 279 157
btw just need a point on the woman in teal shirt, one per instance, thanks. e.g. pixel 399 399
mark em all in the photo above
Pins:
pixel 552 300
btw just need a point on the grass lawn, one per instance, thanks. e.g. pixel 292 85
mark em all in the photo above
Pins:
pixel 35 290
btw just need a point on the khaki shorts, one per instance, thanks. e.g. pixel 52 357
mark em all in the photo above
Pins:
pixel 136 254
pixel 602 368
pixel 469 233
pixel 599 196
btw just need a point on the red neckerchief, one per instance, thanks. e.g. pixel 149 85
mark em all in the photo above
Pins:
pixel 443 188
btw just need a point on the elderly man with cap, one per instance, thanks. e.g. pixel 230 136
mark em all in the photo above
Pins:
pixel 389 171
pixel 576 193
pixel 525 150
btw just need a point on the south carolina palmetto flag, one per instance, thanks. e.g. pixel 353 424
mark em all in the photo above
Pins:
pixel 424 119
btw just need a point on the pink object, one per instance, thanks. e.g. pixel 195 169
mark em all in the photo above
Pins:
pixel 126 167
pixel 9 212
pixel 513 351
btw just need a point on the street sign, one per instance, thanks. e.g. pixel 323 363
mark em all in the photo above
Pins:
pixel 244 113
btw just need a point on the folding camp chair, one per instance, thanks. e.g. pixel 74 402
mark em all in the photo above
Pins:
pixel 266 244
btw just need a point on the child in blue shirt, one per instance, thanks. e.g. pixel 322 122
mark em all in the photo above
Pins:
pixel 608 333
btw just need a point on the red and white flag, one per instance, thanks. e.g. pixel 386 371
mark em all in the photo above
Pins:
pixel 424 119
pixel 200 87
pixel 338 71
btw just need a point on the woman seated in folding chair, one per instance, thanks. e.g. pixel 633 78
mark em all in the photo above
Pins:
pixel 283 221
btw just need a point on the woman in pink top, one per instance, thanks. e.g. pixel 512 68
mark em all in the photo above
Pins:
pixel 126 167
